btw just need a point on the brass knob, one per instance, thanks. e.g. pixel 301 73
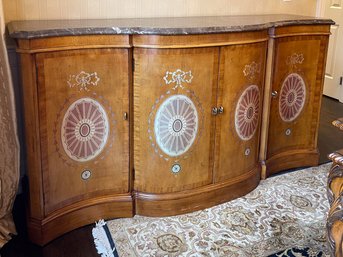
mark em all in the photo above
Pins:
pixel 214 111
pixel 274 94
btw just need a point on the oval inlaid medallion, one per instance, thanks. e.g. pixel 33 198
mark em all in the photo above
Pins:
pixel 292 97
pixel 247 112
pixel 176 125
pixel 84 130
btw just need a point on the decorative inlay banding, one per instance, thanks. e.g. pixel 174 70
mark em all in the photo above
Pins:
pixel 292 97
pixel 176 125
pixel 84 130
pixel 247 112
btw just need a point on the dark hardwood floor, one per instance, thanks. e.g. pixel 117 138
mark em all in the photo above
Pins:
pixel 79 243
pixel 329 137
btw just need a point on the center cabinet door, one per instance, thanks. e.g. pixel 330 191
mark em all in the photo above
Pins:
pixel 242 69
pixel 174 92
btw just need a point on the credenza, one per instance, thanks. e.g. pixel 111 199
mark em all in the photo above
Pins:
pixel 163 116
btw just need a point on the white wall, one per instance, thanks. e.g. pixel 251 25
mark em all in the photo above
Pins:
pixel 88 9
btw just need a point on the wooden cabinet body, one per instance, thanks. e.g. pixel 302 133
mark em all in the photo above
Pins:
pixel 156 125
pixel 298 73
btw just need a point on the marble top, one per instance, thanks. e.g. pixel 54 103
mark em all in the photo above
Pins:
pixel 156 26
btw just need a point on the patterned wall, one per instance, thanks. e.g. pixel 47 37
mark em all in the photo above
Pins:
pixel 84 9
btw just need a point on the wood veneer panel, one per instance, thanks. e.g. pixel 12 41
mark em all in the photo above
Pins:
pixel 304 56
pixel 77 215
pixel 73 42
pixel 153 166
pixel 201 40
pixel 286 31
pixel 32 137
pixel 241 95
pixel 196 199
pixel 292 159
pixel 59 89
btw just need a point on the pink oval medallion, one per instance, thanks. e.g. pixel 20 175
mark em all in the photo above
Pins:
pixel 84 130
pixel 247 112
pixel 292 97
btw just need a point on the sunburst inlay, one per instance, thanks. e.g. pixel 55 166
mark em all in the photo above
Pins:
pixel 84 130
pixel 247 112
pixel 292 97
pixel 176 125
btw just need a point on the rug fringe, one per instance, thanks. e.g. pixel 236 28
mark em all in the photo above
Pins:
pixel 101 241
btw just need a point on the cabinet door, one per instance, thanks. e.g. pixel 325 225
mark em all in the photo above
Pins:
pixel 295 105
pixel 83 95
pixel 238 127
pixel 174 91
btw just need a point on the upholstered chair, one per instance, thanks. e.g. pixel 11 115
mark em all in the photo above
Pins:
pixel 335 196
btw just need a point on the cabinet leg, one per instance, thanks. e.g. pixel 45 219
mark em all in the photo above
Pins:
pixel 263 170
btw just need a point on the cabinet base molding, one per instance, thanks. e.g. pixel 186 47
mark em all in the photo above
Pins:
pixel 77 215
pixel 169 204
pixel 292 159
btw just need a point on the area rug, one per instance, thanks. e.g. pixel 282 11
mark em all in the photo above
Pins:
pixel 299 252
pixel 284 212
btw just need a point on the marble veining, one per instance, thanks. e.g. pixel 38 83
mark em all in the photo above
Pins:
pixel 157 26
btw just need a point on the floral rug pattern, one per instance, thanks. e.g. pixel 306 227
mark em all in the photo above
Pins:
pixel 299 252
pixel 284 211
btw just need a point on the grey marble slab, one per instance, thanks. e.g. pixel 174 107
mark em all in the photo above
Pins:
pixel 157 26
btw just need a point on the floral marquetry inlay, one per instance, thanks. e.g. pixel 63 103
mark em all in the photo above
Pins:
pixel 250 70
pixel 247 112
pixel 176 125
pixel 295 59
pixel 85 130
pixel 292 97
pixel 83 80
pixel 178 77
